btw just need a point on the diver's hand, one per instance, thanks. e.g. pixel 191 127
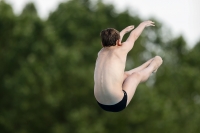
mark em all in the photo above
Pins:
pixel 148 23
pixel 128 29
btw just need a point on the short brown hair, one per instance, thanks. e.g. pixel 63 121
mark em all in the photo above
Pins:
pixel 109 37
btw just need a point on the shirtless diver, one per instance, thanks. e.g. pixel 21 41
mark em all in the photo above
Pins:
pixel 114 87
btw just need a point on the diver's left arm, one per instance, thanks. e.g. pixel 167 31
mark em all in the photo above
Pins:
pixel 124 31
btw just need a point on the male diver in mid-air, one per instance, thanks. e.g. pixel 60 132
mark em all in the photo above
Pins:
pixel 114 87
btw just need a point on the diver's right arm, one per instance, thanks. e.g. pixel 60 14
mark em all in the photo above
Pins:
pixel 128 44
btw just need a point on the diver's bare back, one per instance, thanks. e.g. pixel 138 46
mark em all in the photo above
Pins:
pixel 109 74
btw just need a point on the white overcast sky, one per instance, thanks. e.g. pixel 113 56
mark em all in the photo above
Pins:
pixel 181 16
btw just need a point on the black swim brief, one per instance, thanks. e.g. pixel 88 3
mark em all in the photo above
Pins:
pixel 115 107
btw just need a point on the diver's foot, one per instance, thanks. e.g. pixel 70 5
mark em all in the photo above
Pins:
pixel 158 61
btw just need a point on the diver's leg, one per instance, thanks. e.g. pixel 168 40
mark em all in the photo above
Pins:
pixel 131 82
pixel 137 69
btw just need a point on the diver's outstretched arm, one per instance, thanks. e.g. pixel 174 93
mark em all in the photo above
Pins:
pixel 128 44
pixel 124 31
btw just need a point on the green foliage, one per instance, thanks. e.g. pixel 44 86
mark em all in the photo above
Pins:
pixel 46 74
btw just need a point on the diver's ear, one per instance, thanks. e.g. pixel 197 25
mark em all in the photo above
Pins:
pixel 118 42
pixel 101 44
